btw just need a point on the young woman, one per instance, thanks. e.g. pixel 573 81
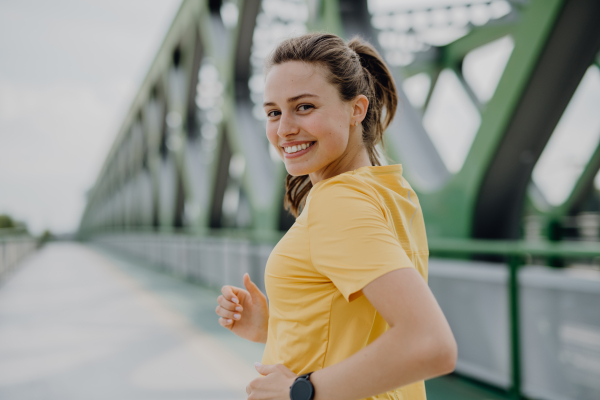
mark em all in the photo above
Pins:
pixel 348 298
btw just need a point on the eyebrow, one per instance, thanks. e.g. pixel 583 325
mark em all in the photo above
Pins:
pixel 292 99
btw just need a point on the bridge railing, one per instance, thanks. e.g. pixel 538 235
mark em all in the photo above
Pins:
pixel 529 330
pixel 15 244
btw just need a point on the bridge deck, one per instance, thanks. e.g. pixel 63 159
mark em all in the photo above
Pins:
pixel 80 323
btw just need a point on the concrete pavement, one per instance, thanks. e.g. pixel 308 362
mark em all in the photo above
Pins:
pixel 79 323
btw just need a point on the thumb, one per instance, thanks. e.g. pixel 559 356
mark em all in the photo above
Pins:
pixel 264 369
pixel 250 286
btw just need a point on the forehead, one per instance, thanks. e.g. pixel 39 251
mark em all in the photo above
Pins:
pixel 284 80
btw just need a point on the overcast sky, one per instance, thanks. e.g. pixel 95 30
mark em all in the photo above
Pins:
pixel 68 72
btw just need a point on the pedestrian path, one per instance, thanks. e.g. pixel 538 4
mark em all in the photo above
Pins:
pixel 78 323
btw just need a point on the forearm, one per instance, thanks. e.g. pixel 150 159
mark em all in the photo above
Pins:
pixel 263 331
pixel 385 364
pixel 264 326
pixel 264 335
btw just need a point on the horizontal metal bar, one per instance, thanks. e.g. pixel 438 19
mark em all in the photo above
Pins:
pixel 12 231
pixel 514 248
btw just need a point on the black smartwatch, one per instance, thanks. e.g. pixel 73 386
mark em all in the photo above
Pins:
pixel 302 388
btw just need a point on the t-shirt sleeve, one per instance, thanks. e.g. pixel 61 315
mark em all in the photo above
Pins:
pixel 351 241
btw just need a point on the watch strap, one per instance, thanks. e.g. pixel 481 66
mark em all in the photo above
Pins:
pixel 305 378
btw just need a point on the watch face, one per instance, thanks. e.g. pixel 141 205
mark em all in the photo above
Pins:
pixel 301 390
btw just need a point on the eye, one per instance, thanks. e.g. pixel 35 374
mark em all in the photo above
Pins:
pixel 305 107
pixel 273 113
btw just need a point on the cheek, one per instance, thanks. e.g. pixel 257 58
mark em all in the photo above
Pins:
pixel 272 134
pixel 323 128
pixel 336 136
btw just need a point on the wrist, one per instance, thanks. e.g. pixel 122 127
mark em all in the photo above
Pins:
pixel 264 333
pixel 302 388
pixel 260 336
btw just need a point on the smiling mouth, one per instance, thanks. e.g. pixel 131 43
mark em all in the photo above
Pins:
pixel 297 148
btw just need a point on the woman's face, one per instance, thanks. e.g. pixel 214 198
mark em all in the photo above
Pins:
pixel 308 123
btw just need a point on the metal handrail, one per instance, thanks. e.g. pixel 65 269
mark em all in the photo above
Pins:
pixel 515 253
pixel 446 246
pixel 15 244
pixel 12 231
pixel 514 248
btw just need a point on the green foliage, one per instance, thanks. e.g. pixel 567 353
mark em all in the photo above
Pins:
pixel 8 225
pixel 45 237
pixel 6 222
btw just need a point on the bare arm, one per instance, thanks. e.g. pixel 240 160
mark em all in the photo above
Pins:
pixel 419 344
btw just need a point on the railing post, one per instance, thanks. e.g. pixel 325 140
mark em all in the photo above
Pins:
pixel 515 262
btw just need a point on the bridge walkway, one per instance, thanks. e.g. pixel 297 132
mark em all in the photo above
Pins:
pixel 77 322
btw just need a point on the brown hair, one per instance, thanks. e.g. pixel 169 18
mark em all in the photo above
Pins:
pixel 354 68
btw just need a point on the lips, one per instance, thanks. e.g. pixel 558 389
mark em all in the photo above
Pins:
pixel 295 148
pixel 298 153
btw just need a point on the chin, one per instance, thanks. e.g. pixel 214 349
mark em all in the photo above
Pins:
pixel 294 173
pixel 296 170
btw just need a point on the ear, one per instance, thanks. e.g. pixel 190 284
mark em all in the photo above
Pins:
pixel 360 104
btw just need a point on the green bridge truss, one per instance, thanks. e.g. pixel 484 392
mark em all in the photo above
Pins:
pixel 192 153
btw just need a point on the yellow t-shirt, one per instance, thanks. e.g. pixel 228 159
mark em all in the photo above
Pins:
pixel 354 228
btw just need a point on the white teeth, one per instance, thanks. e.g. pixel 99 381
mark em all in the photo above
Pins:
pixel 294 149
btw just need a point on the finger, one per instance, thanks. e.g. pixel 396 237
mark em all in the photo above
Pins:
pixel 229 293
pixel 228 305
pixel 265 369
pixel 224 322
pixel 221 312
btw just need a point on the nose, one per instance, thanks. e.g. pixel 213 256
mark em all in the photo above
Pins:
pixel 287 125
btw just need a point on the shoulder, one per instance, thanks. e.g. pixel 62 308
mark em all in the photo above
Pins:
pixel 344 186
pixel 342 195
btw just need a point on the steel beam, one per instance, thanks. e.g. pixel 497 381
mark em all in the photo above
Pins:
pixel 565 56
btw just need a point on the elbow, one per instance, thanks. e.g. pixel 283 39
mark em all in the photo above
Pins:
pixel 450 356
pixel 447 354
pixel 442 355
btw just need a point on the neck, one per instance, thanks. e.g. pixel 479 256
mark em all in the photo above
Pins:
pixel 348 162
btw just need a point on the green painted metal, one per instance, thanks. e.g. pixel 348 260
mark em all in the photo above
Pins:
pixel 520 248
pixel 460 192
pixel 584 183
pixel 468 90
pixel 515 342
pixel 516 252
pixel 449 211
pixel 550 216
pixel 453 387
pixel 455 52
pixel 327 18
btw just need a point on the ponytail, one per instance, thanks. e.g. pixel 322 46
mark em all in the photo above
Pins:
pixel 382 95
